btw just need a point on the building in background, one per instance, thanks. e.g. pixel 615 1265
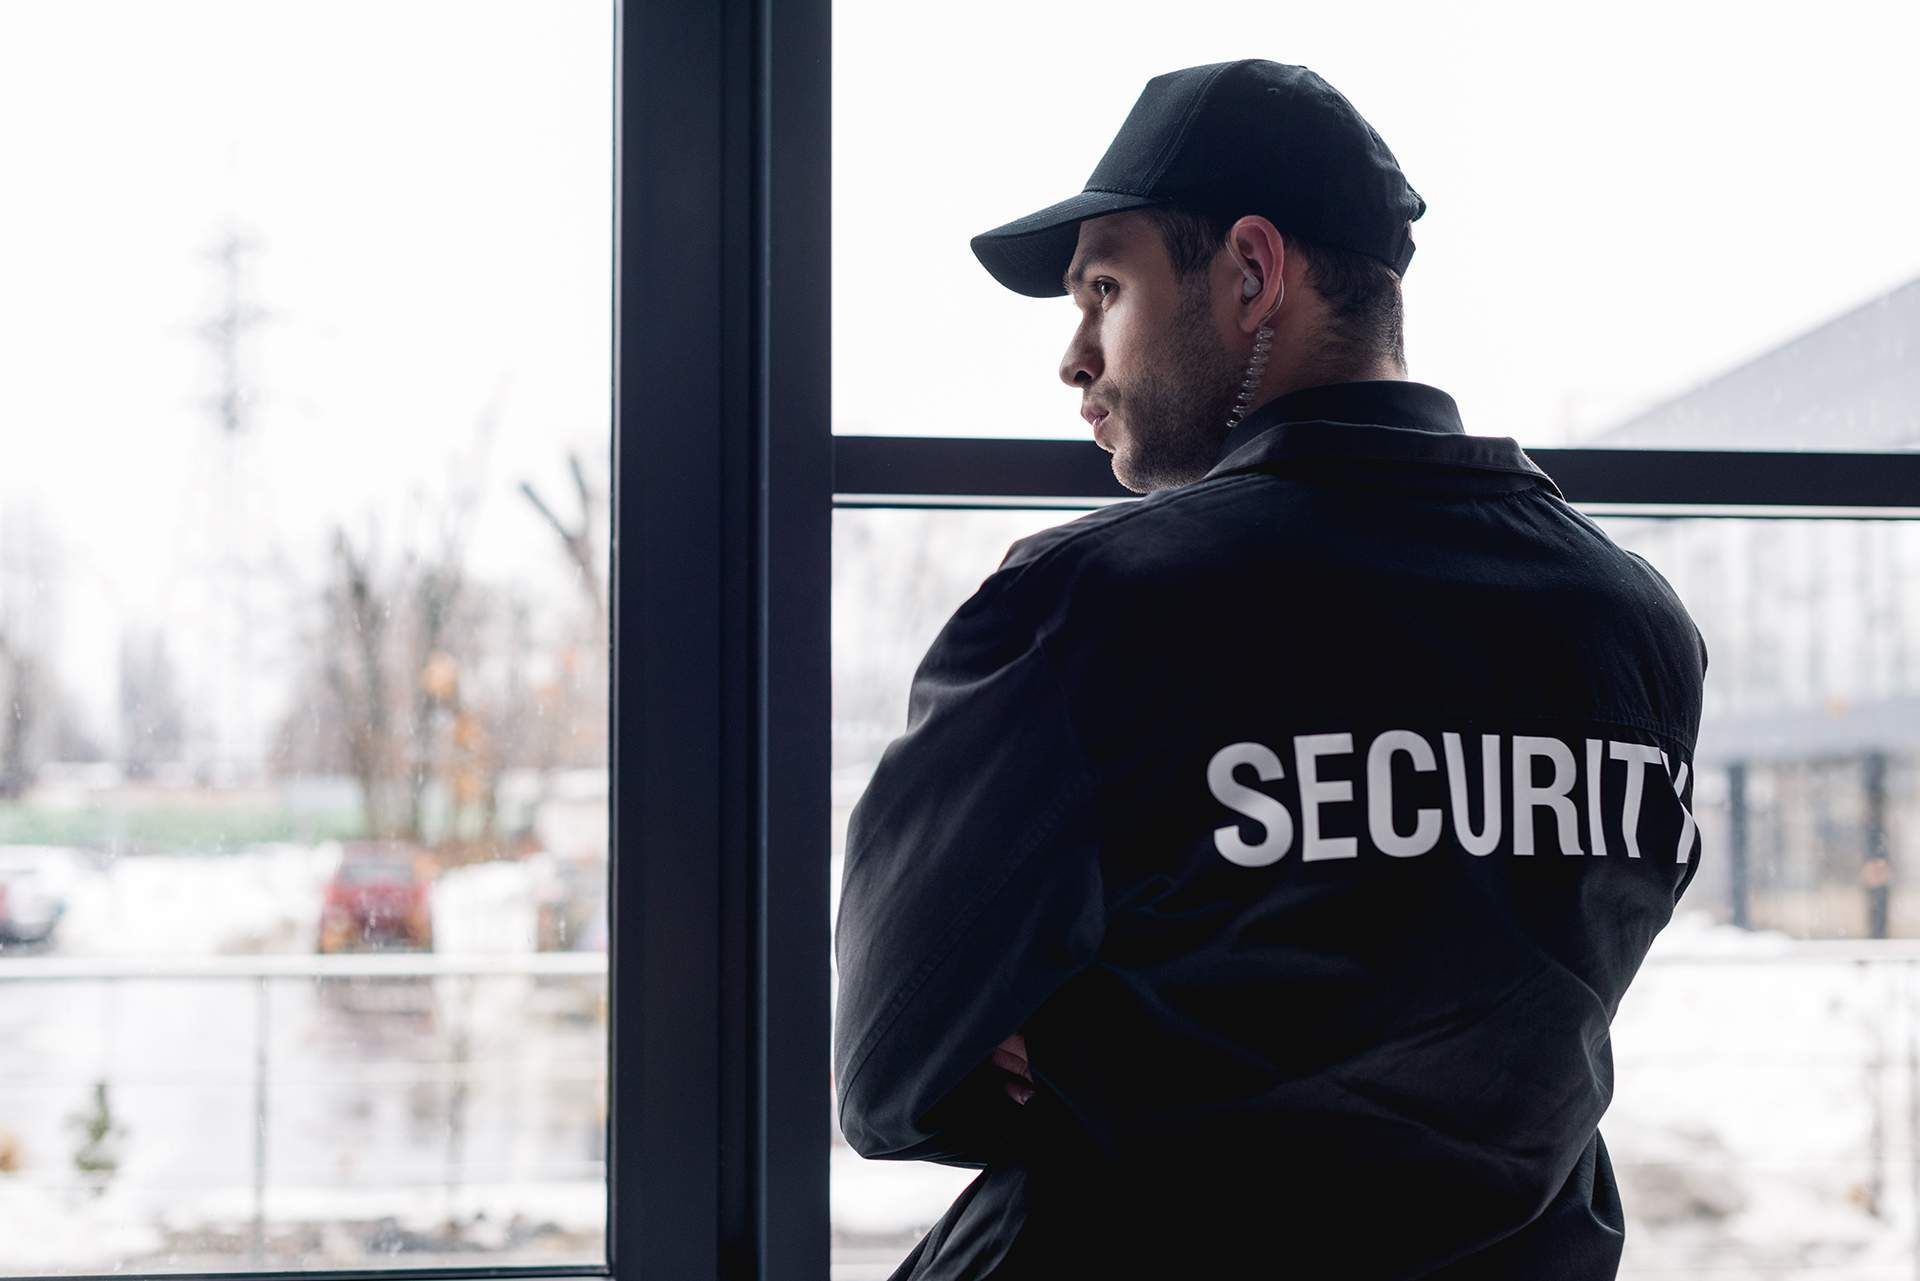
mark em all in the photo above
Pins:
pixel 1811 742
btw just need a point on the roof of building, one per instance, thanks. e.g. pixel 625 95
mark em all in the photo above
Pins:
pixel 1851 383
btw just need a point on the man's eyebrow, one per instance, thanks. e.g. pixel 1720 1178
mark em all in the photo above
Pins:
pixel 1101 253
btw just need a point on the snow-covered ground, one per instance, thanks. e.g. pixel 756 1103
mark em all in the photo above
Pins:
pixel 1766 1108
pixel 406 1120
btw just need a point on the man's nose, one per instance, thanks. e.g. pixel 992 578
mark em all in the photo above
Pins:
pixel 1081 365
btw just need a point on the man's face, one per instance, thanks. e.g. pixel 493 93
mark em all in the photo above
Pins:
pixel 1150 354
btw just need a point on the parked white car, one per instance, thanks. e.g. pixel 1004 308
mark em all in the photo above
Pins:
pixel 33 891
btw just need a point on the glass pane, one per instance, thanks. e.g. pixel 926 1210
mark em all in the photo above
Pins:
pixel 1619 247
pixel 897 576
pixel 1806 794
pixel 303 622
pixel 1762 1121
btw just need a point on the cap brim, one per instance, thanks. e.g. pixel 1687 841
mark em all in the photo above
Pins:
pixel 1029 255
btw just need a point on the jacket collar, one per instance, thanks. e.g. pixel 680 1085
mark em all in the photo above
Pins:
pixel 1383 420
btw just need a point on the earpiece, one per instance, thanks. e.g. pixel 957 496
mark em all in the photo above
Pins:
pixel 1251 286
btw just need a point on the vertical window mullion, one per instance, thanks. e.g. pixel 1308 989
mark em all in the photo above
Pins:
pixel 669 369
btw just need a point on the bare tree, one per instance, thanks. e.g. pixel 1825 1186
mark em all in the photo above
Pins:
pixel 153 719
pixel 575 701
pixel 20 683
pixel 395 651
pixel 31 709
pixel 577 538
pixel 425 683
pixel 354 662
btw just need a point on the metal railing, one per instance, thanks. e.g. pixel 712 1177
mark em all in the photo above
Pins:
pixel 262 971
pixel 1879 976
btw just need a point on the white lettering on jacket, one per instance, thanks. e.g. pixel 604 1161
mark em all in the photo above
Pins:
pixel 1255 804
pixel 1554 796
pixel 1426 825
pixel 1596 826
pixel 1684 851
pixel 1307 751
pixel 1637 756
pixel 1612 783
pixel 1479 843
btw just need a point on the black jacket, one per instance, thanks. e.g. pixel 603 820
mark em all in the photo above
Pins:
pixel 1310 820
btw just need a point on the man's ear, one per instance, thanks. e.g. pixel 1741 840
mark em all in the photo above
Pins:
pixel 1259 253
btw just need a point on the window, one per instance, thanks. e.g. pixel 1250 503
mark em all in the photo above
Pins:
pixel 897 576
pixel 1584 285
pixel 303 637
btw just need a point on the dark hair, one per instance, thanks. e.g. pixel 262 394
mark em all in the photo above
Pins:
pixel 1362 293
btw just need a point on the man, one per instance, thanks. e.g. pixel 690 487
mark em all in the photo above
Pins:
pixel 1264 861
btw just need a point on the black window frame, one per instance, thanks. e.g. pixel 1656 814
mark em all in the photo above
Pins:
pixel 719 1112
pixel 908 471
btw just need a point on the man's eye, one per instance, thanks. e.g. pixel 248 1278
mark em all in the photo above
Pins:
pixel 1098 285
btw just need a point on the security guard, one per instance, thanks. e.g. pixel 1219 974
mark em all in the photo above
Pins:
pixel 1264 860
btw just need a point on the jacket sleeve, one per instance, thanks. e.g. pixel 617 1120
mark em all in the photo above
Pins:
pixel 971 888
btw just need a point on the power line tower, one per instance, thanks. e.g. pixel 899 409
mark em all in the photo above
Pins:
pixel 227 734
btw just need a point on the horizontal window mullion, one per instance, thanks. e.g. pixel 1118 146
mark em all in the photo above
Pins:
pixel 910 471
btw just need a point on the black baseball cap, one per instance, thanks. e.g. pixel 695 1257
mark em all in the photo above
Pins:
pixel 1235 138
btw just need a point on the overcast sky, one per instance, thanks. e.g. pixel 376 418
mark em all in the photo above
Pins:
pixel 429 187
pixel 1624 199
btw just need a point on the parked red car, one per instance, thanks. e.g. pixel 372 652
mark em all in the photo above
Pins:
pixel 378 899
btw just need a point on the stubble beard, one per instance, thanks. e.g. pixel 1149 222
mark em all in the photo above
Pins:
pixel 1173 414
